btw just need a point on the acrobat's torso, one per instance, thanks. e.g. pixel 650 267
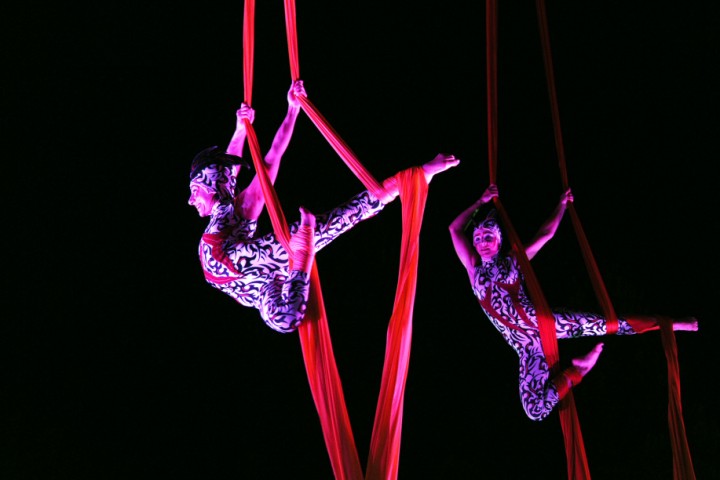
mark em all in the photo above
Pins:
pixel 498 287
pixel 236 262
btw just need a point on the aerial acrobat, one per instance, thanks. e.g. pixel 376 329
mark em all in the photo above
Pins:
pixel 255 269
pixel 497 282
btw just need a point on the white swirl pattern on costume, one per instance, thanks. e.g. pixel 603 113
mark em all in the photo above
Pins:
pixel 255 271
pixel 512 313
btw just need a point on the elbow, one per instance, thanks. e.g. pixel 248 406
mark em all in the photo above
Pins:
pixel 456 228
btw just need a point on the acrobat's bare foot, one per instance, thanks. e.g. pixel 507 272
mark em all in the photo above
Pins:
pixel 585 363
pixel 440 163
pixel 307 218
pixel 687 324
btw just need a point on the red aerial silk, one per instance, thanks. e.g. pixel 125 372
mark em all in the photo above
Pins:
pixel 595 277
pixel 314 333
pixel 682 461
pixel 574 446
pixel 385 442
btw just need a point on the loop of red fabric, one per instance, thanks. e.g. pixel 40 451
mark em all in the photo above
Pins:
pixel 682 461
pixel 592 268
pixel 323 376
pixel 577 466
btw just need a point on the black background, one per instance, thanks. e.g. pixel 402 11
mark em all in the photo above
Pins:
pixel 122 363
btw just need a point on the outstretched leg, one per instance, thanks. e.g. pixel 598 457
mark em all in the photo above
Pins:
pixel 439 164
pixel 686 324
pixel 646 323
pixel 538 393
pixel 571 324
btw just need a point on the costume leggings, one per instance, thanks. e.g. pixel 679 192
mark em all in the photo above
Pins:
pixel 283 304
pixel 538 393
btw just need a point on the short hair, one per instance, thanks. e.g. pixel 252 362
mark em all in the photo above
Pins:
pixel 214 156
pixel 490 222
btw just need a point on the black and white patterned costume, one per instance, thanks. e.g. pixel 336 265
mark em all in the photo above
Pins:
pixel 255 270
pixel 498 285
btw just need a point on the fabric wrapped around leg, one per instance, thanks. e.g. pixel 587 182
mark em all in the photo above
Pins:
pixel 390 185
pixel 568 378
pixel 303 249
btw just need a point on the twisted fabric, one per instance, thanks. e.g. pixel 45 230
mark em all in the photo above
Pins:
pixel 682 461
pixel 323 376
pixel 577 466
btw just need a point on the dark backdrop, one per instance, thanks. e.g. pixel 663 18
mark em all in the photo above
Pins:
pixel 122 363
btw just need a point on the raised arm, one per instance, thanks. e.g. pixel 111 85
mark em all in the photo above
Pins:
pixel 547 230
pixel 284 133
pixel 235 147
pixel 250 201
pixel 462 242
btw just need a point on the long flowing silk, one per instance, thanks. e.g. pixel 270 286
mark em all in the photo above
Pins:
pixel 323 376
pixel 314 333
pixel 682 461
pixel 593 270
pixel 383 460
pixel 577 466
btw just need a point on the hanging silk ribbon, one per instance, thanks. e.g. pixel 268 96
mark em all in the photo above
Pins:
pixel 314 333
pixel 593 270
pixel 574 446
pixel 383 460
pixel 682 461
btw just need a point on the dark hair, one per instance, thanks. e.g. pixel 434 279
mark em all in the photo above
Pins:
pixel 214 156
pixel 480 215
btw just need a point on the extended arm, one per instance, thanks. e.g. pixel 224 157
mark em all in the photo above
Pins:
pixel 235 147
pixel 284 133
pixel 461 240
pixel 548 229
pixel 250 201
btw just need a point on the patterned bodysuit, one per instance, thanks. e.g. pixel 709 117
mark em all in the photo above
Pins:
pixel 255 270
pixel 498 285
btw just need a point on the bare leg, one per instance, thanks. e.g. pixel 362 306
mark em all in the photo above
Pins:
pixel 646 323
pixel 686 324
pixel 439 164
pixel 307 218
pixel 572 376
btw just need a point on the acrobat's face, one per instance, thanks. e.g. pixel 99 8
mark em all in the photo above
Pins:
pixel 202 197
pixel 487 242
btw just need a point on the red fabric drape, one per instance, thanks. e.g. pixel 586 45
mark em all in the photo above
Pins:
pixel 323 376
pixel 324 379
pixel 326 387
pixel 682 461
pixel 574 446
pixel 593 270
pixel 383 460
